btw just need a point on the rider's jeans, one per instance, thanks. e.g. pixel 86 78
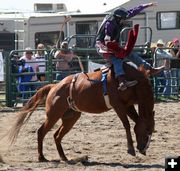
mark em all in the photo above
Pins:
pixel 135 58
pixel 118 65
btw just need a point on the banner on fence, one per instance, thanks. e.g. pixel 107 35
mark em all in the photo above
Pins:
pixel 1 67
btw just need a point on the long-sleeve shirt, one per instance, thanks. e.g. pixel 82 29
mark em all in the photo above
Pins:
pixel 136 10
pixel 112 28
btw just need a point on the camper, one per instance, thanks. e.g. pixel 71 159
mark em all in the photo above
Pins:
pixel 19 30
pixel 26 29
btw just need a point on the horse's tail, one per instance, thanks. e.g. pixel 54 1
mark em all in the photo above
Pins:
pixel 24 115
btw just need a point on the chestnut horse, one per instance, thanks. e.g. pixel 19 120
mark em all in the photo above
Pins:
pixel 85 91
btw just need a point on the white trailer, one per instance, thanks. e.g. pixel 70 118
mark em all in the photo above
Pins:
pixel 19 30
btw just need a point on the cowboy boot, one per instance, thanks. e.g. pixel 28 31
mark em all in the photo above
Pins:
pixel 155 71
pixel 124 84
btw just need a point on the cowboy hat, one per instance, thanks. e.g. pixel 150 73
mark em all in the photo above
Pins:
pixel 160 42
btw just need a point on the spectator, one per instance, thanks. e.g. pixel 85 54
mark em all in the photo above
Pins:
pixel 175 51
pixel 65 57
pixel 31 63
pixel 153 47
pixel 162 57
pixel 30 60
pixel 15 63
pixel 40 58
pixel 23 69
pixel 169 44
pixel 175 65
pixel 15 69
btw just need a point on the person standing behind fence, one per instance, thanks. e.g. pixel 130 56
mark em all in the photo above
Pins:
pixel 175 51
pixel 24 68
pixel 162 57
pixel 31 61
pixel 64 57
pixel 40 58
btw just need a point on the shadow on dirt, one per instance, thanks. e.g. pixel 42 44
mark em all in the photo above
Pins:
pixel 94 163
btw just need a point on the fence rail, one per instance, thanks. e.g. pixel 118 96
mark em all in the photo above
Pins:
pixel 10 96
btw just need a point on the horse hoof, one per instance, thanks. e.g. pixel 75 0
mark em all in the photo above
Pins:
pixel 144 153
pixel 42 159
pixel 132 152
pixel 82 159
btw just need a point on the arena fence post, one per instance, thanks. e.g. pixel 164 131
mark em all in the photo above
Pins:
pixel 8 81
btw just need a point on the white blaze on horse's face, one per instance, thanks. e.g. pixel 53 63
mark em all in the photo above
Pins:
pixel 149 140
pixel 147 146
pixel 143 138
pixel 143 130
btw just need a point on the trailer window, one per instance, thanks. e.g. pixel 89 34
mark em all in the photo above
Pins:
pixel 7 41
pixel 49 39
pixel 86 28
pixel 168 20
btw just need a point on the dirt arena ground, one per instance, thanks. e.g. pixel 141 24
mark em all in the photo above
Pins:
pixel 101 137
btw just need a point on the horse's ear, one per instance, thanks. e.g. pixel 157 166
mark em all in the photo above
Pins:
pixel 144 71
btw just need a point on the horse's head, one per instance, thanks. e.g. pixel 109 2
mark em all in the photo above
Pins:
pixel 143 130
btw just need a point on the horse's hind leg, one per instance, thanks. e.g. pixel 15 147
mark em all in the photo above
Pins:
pixel 68 120
pixel 50 121
pixel 42 131
pixel 122 113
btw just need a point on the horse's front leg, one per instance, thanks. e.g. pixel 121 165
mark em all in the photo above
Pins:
pixel 122 113
pixel 132 113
